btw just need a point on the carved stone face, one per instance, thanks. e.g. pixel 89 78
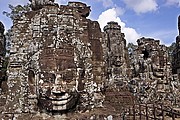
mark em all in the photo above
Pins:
pixel 57 82
pixel 117 60
pixel 58 93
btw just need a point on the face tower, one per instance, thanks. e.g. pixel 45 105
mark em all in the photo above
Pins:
pixel 116 55
pixel 56 59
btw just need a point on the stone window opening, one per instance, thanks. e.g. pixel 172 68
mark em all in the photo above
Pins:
pixel 145 54
pixel 31 81
pixel 31 77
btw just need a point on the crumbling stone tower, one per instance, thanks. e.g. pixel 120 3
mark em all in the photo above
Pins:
pixel 115 54
pixel 152 78
pixel 117 69
pixel 56 60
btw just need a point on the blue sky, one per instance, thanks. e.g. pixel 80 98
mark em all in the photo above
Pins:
pixel 149 18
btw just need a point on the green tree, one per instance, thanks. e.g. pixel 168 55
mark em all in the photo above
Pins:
pixel 17 11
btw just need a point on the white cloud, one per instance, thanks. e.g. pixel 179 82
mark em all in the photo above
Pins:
pixel 141 6
pixel 119 11
pixel 173 2
pixel 111 15
pixel 131 35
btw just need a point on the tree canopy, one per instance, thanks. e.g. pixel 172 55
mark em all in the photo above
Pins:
pixel 16 11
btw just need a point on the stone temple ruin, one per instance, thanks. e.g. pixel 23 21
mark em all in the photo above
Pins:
pixel 151 70
pixel 62 66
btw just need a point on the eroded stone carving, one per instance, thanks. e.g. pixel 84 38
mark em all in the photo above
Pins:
pixel 58 63
pixel 152 77
pixel 115 52
pixel 57 84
